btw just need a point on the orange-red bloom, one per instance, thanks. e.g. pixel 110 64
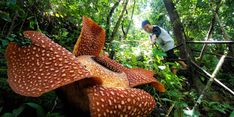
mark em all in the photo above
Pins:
pixel 44 66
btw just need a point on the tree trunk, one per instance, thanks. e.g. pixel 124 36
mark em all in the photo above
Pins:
pixel 126 33
pixel 115 30
pixel 186 52
pixel 108 22
pixel 181 39
pixel 177 28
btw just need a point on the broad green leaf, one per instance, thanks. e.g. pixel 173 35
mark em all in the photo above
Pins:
pixel 32 24
pixel 11 4
pixel 183 104
pixel 232 114
pixel 8 115
pixel 157 52
pixel 11 37
pixel 4 42
pixel 39 109
pixel 17 111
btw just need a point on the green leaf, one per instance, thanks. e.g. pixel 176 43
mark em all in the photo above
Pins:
pixel 32 24
pixel 65 33
pixel 232 114
pixel 11 4
pixel 17 111
pixel 166 100
pixel 23 42
pixel 5 42
pixel 8 115
pixel 5 16
pixel 39 109
pixel 157 52
pixel 182 104
pixel 11 37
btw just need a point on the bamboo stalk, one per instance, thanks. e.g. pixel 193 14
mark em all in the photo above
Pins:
pixel 211 42
pixel 224 86
pixel 218 66
pixel 170 109
pixel 55 104
pixel 227 57
pixel 216 80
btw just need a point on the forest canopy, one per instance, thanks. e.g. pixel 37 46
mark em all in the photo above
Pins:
pixel 203 32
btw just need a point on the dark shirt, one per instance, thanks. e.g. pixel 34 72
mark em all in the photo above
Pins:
pixel 156 31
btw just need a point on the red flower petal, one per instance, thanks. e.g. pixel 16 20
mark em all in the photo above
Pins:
pixel 142 76
pixel 114 102
pixel 91 39
pixel 41 66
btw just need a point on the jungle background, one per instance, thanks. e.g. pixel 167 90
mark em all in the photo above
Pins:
pixel 127 43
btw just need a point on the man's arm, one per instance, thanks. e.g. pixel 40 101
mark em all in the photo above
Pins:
pixel 153 39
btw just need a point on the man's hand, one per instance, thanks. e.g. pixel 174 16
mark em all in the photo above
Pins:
pixel 153 39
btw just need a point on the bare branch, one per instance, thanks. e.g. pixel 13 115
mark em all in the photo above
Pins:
pixel 170 109
pixel 209 34
pixel 216 54
pixel 225 35
pixel 211 42
pixel 125 35
pixel 212 77
pixel 118 21
pixel 108 20
pixel 216 80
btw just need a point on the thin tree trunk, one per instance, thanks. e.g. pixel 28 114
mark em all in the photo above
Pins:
pixel 108 21
pixel 126 33
pixel 177 27
pixel 114 32
pixel 181 39
pixel 209 34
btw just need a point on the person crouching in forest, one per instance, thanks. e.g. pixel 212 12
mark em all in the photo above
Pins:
pixel 164 40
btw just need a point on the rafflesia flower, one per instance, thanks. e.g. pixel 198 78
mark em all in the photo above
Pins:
pixel 90 81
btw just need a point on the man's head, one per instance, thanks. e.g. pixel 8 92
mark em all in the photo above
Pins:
pixel 147 26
